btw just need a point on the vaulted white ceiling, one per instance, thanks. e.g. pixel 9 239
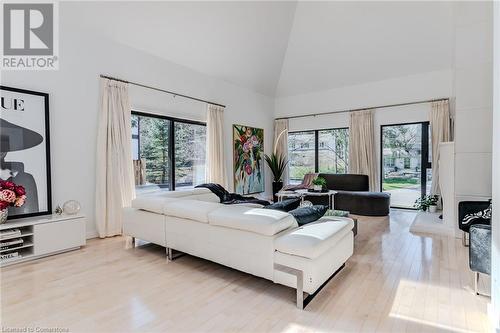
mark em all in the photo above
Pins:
pixel 334 44
pixel 283 48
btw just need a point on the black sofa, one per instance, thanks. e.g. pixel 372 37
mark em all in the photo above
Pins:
pixel 353 195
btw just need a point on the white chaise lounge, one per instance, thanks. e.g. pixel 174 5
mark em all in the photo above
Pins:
pixel 263 242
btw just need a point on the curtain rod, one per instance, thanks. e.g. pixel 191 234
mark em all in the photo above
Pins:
pixel 361 109
pixel 162 90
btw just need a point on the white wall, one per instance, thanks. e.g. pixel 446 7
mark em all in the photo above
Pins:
pixel 398 90
pixel 74 100
pixel 381 116
pixel 495 276
pixel 473 89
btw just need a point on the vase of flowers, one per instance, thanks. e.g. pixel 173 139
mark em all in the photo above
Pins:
pixel 11 195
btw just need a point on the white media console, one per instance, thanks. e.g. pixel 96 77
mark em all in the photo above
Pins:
pixel 41 236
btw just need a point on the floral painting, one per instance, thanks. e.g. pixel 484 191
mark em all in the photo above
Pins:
pixel 248 159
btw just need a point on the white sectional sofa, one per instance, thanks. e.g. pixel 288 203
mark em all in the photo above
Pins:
pixel 263 242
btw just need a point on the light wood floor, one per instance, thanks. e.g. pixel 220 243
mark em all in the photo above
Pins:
pixel 395 282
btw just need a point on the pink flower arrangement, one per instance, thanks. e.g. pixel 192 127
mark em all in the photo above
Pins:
pixel 11 195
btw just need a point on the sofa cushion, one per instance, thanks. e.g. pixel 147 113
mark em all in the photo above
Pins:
pixel 305 215
pixel 345 182
pixel 174 194
pixel 200 190
pixel 156 201
pixel 261 221
pixel 210 197
pixel 152 203
pixel 285 205
pixel 195 210
pixel 314 239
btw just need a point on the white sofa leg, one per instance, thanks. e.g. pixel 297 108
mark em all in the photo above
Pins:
pixel 129 242
pixel 301 302
pixel 169 254
pixel 300 282
pixel 476 282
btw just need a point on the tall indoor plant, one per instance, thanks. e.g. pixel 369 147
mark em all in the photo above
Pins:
pixel 277 163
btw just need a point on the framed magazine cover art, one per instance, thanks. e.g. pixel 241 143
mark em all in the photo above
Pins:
pixel 25 148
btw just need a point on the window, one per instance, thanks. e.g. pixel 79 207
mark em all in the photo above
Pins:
pixel 389 161
pixel 333 152
pixel 150 145
pixel 301 155
pixel 160 143
pixel 407 163
pixel 317 151
pixel 189 154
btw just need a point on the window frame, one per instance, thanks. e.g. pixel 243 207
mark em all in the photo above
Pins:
pixel 171 139
pixel 316 142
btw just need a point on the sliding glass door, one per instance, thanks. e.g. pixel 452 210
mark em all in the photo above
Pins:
pixel 406 162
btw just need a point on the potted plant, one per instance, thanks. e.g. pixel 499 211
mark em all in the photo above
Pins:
pixel 277 163
pixel 318 184
pixel 433 200
pixel 427 202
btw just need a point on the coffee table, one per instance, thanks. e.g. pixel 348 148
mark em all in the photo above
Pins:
pixel 287 194
pixel 330 194
pixel 303 193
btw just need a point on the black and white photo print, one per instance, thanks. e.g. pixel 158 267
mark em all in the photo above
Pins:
pixel 25 148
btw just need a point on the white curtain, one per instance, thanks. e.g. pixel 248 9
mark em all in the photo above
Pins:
pixel 216 163
pixel 281 142
pixel 114 171
pixel 362 146
pixel 440 132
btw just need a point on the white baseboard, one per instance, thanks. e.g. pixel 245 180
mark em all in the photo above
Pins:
pixel 91 234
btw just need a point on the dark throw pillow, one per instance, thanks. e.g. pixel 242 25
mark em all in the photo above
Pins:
pixel 285 205
pixel 305 215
